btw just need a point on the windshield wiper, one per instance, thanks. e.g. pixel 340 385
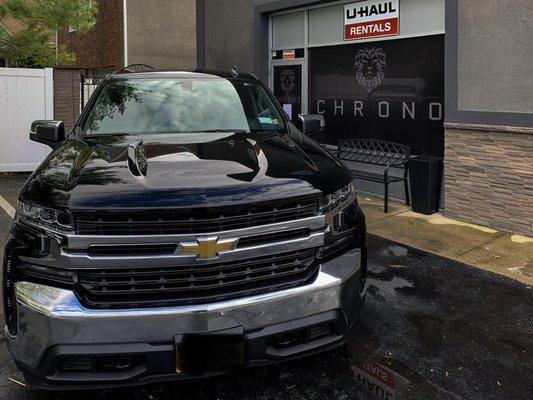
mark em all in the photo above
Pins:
pixel 96 135
pixel 218 130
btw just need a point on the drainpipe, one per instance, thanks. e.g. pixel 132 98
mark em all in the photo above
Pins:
pixel 125 30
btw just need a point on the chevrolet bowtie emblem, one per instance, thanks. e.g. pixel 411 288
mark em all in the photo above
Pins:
pixel 207 247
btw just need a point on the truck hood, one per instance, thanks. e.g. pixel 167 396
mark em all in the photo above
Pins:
pixel 182 170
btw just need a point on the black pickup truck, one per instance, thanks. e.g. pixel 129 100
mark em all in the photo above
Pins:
pixel 185 227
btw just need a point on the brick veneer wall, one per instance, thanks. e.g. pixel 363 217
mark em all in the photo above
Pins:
pixel 489 177
pixel 66 96
pixel 103 45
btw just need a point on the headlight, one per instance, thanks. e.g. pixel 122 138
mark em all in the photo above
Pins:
pixel 45 215
pixel 335 199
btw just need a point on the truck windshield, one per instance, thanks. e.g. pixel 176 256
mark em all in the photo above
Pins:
pixel 182 105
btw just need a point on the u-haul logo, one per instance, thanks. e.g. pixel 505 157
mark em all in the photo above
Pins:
pixel 382 382
pixel 371 18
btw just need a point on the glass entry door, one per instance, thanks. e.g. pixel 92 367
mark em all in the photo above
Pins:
pixel 288 85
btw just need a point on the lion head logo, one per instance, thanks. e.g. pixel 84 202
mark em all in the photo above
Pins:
pixel 370 64
pixel 287 80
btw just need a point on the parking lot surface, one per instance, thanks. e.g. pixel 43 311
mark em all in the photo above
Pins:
pixel 431 328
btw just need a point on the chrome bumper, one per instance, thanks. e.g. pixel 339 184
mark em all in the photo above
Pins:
pixel 49 316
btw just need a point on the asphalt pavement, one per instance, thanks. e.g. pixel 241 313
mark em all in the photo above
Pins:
pixel 432 328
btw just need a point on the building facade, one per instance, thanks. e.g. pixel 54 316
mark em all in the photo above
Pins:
pixel 161 33
pixel 452 79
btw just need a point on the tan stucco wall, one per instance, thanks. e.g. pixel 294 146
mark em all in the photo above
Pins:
pixel 495 56
pixel 229 34
pixel 162 33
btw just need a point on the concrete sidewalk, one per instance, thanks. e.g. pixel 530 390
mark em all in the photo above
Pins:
pixel 501 252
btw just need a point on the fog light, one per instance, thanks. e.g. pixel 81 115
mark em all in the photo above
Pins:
pixel 289 339
pixel 77 364
pixel 100 363
pixel 319 331
pixel 116 363
pixel 300 336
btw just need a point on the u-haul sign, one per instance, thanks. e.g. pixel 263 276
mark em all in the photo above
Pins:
pixel 371 18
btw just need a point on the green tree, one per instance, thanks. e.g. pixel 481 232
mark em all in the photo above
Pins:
pixel 36 45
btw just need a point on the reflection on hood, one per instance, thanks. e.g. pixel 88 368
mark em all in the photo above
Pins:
pixel 175 170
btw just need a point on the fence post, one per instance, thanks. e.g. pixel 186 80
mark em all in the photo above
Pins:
pixel 82 91
pixel 49 93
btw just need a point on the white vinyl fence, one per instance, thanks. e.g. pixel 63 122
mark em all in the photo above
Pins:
pixel 25 95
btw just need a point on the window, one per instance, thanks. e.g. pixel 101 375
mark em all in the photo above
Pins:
pixel 183 105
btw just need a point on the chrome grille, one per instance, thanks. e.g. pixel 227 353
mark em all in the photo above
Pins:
pixel 169 248
pixel 193 220
pixel 196 283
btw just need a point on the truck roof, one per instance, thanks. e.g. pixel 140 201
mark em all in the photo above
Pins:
pixel 198 74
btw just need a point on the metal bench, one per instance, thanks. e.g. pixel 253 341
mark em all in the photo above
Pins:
pixel 377 152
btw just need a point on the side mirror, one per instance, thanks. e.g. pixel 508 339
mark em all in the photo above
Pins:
pixel 51 133
pixel 312 123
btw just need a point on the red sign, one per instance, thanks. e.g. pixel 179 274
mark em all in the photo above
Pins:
pixel 371 18
pixel 384 27
pixel 289 55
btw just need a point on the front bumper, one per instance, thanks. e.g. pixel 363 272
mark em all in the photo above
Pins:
pixel 52 325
